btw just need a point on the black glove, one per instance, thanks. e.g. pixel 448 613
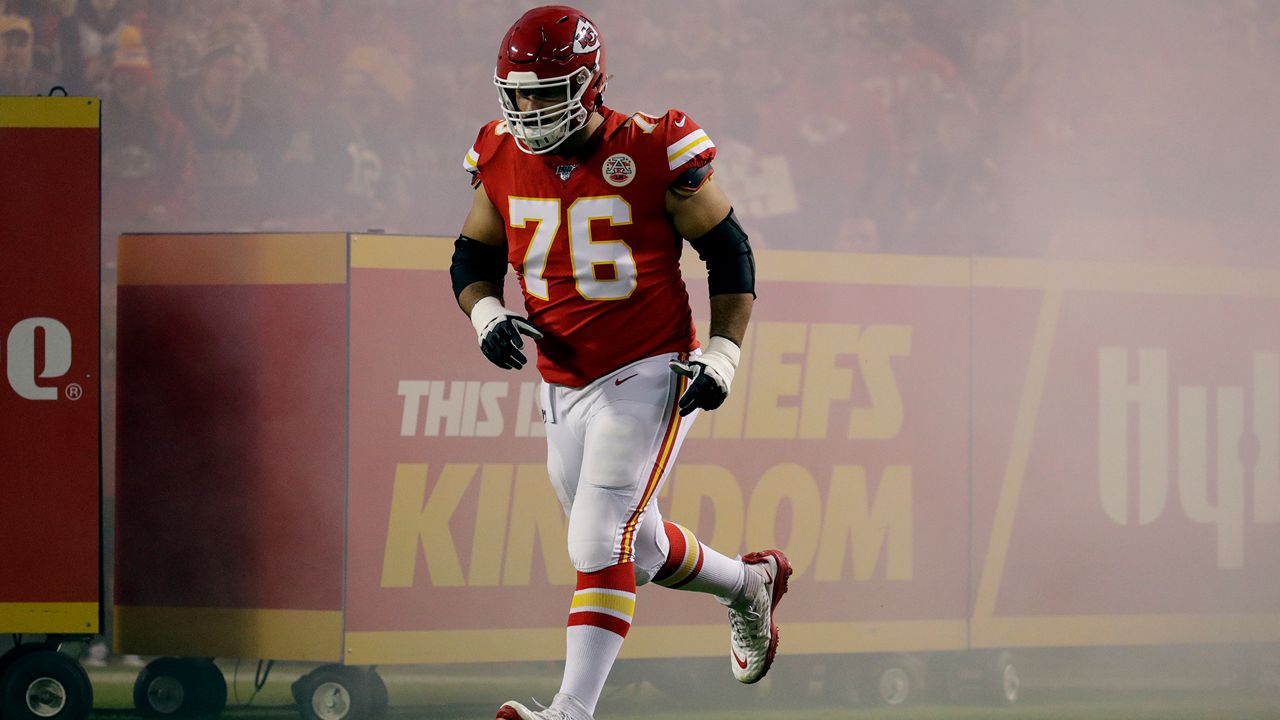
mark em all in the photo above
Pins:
pixel 499 331
pixel 710 375
pixel 502 343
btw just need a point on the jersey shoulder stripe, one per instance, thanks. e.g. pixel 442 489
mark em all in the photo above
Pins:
pixel 688 147
pixel 487 141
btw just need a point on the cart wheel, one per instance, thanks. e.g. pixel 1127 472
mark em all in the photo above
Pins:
pixel 1000 682
pixel 213 687
pixel 340 692
pixel 378 694
pixel 44 685
pixel 180 688
pixel 889 681
pixel 18 651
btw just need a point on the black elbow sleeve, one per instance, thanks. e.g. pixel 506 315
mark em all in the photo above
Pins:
pixel 731 267
pixel 474 261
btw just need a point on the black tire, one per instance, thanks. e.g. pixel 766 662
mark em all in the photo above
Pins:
pixel 339 692
pixel 1001 683
pixel 378 695
pixel 890 681
pixel 18 651
pixel 213 688
pixel 180 688
pixel 44 684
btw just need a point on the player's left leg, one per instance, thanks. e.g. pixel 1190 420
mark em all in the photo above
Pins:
pixel 628 427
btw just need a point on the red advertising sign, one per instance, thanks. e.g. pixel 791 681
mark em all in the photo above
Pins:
pixel 49 398
pixel 844 442
pixel 1127 429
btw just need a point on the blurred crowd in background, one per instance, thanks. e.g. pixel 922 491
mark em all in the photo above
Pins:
pixel 1142 130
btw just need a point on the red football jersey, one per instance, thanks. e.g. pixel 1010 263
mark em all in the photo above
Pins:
pixel 597 256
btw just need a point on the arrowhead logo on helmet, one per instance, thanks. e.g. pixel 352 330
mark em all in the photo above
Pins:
pixel 585 39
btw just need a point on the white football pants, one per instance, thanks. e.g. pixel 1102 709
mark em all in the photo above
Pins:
pixel 610 446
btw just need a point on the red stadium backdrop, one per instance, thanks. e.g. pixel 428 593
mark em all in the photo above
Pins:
pixel 49 401
pixel 955 453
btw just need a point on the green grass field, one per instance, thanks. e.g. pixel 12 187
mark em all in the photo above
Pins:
pixel 454 693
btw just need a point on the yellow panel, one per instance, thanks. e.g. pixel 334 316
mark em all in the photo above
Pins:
pixel 401 252
pixel 389 648
pixel 1169 629
pixel 1125 277
pixel 313 635
pixel 437 646
pixel 896 636
pixel 50 112
pixel 249 259
pixel 49 618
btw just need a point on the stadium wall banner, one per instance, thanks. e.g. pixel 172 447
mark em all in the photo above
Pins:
pixel 50 394
pixel 954 453
pixel 231 445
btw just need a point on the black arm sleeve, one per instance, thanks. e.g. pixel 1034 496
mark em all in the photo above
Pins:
pixel 731 267
pixel 474 261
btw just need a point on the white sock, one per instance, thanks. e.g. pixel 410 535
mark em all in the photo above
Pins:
pixel 589 655
pixel 599 619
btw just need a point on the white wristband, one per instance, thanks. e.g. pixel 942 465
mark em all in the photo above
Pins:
pixel 485 312
pixel 722 355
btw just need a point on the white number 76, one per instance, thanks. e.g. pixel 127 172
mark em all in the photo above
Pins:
pixel 585 254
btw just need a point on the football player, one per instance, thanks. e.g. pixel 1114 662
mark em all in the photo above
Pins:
pixel 591 207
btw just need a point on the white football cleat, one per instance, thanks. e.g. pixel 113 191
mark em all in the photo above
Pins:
pixel 753 636
pixel 563 707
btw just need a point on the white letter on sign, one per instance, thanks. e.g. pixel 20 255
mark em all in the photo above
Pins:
pixel 22 356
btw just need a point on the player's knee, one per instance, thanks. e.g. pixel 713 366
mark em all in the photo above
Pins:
pixel 589 554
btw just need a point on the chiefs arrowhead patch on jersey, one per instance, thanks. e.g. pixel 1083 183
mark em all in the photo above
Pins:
pixel 619 169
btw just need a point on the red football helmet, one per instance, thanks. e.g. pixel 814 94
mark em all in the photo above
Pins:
pixel 555 52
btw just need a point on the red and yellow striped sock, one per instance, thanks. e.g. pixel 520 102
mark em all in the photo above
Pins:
pixel 693 566
pixel 599 619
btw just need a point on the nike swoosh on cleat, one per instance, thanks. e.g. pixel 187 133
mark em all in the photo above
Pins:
pixel 619 381
pixel 741 663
